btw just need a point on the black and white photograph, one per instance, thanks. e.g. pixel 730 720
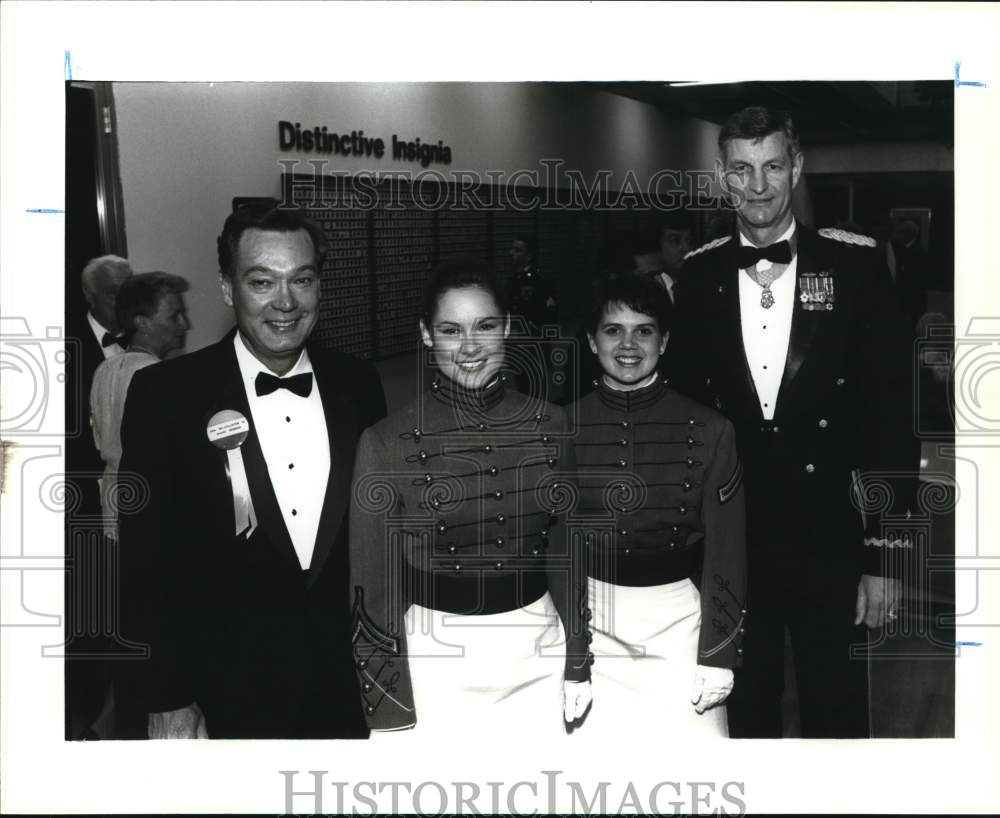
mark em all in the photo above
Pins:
pixel 387 431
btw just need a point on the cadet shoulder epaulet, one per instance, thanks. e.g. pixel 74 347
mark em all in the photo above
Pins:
pixel 846 237
pixel 711 245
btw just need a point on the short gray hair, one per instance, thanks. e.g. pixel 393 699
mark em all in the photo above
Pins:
pixel 100 265
pixel 756 123
pixel 141 295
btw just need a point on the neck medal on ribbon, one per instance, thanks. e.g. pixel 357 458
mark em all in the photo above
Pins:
pixel 765 279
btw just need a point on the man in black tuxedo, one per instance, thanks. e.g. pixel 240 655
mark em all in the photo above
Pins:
pixel 797 338
pixel 91 339
pixel 235 564
pixel 531 299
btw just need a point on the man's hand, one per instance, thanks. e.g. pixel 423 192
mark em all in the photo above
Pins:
pixel 577 697
pixel 877 600
pixel 188 722
pixel 711 687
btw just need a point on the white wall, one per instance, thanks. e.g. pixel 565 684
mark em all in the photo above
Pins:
pixel 186 149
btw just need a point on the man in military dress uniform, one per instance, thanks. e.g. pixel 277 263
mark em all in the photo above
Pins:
pixel 531 296
pixel 797 338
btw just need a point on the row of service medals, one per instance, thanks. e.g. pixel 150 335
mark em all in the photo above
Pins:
pixel 816 291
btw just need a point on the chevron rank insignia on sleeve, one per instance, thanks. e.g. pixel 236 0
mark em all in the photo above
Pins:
pixel 727 491
pixel 846 237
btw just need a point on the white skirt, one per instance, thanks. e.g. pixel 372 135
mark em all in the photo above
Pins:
pixel 498 674
pixel 646 651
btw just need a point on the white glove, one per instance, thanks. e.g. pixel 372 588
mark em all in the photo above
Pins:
pixel 711 687
pixel 577 697
pixel 185 722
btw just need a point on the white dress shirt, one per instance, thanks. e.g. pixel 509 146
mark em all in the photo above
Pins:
pixel 99 333
pixel 766 331
pixel 667 282
pixel 296 447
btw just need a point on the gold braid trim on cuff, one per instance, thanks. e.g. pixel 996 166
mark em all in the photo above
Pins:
pixel 882 542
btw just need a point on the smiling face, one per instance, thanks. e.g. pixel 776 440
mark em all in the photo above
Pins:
pixel 628 345
pixel 761 176
pixel 274 291
pixel 467 335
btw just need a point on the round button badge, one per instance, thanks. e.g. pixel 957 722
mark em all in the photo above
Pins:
pixel 227 429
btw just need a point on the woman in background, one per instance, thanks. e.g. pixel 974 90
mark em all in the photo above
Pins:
pixel 469 604
pixel 661 490
pixel 153 317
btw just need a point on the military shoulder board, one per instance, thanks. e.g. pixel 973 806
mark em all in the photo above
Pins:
pixel 727 491
pixel 846 237
pixel 711 245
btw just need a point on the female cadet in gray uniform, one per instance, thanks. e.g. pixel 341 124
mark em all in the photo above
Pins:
pixel 470 606
pixel 661 501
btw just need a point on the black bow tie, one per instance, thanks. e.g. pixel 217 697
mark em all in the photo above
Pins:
pixel 110 340
pixel 301 384
pixel 778 253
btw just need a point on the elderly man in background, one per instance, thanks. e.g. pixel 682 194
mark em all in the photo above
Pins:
pixel 102 278
pixel 91 338
pixel 152 318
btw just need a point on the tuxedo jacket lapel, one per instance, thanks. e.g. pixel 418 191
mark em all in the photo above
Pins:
pixel 233 396
pixel 342 434
pixel 805 324
pixel 730 334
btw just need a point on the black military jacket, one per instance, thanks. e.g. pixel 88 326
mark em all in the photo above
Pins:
pixel 532 301
pixel 832 476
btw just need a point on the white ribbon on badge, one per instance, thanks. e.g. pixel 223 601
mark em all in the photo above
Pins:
pixel 227 430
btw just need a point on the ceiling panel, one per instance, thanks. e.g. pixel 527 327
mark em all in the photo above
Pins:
pixel 824 112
